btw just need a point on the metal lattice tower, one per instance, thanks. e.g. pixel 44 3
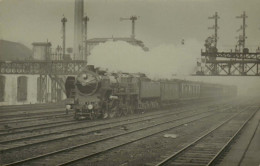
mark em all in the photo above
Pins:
pixel 219 63
pixel 242 40
pixel 215 27
pixel 63 20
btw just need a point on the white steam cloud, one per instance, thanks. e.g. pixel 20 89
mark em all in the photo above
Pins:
pixel 163 61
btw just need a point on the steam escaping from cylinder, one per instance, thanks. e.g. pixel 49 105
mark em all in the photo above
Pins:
pixel 163 61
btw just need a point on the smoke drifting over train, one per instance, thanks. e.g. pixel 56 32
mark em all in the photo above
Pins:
pixel 163 61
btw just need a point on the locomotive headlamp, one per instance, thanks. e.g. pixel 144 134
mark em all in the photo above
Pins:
pixel 84 76
pixel 68 107
pixel 90 106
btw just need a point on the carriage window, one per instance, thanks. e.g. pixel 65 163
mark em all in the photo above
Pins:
pixel 22 88
pixel 2 88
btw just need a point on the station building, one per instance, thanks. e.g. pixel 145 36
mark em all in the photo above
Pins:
pixel 18 89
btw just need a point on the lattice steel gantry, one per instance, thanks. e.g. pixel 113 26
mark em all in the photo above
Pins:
pixel 241 62
pixel 230 64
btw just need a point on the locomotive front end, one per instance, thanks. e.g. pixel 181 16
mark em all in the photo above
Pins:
pixel 87 86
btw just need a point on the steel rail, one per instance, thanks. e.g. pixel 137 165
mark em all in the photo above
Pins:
pixel 29 107
pixel 101 140
pixel 77 122
pixel 118 146
pixel 165 161
pixel 215 158
pixel 12 129
pixel 32 114
pixel 32 118
pixel 78 134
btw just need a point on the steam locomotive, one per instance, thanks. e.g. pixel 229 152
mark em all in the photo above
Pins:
pixel 96 93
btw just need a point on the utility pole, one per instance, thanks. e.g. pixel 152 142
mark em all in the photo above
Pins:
pixel 133 19
pixel 242 40
pixel 215 27
pixel 85 20
pixel 63 20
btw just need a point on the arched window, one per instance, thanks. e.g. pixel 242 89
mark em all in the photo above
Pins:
pixel 22 88
pixel 2 88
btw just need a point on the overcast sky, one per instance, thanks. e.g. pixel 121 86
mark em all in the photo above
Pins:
pixel 160 22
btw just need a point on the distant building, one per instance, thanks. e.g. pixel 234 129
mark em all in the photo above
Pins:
pixel 25 88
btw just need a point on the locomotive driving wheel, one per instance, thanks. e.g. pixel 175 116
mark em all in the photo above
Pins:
pixel 129 109
pixel 105 115
pixel 110 109
pixel 112 114
pixel 113 109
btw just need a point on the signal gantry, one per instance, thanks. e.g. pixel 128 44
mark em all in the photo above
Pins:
pixel 240 62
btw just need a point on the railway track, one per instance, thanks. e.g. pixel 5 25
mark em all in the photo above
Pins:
pixel 38 113
pixel 10 124
pixel 10 115
pixel 34 118
pixel 22 121
pixel 40 127
pixel 76 149
pixel 247 147
pixel 57 123
pixel 98 126
pixel 208 148
pixel 30 106
pixel 37 126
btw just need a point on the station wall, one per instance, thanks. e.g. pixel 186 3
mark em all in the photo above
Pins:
pixel 24 89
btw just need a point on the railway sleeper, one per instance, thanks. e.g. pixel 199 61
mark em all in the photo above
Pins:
pixel 205 150
pixel 192 160
pixel 186 164
pixel 195 157
pixel 209 144
pixel 198 154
